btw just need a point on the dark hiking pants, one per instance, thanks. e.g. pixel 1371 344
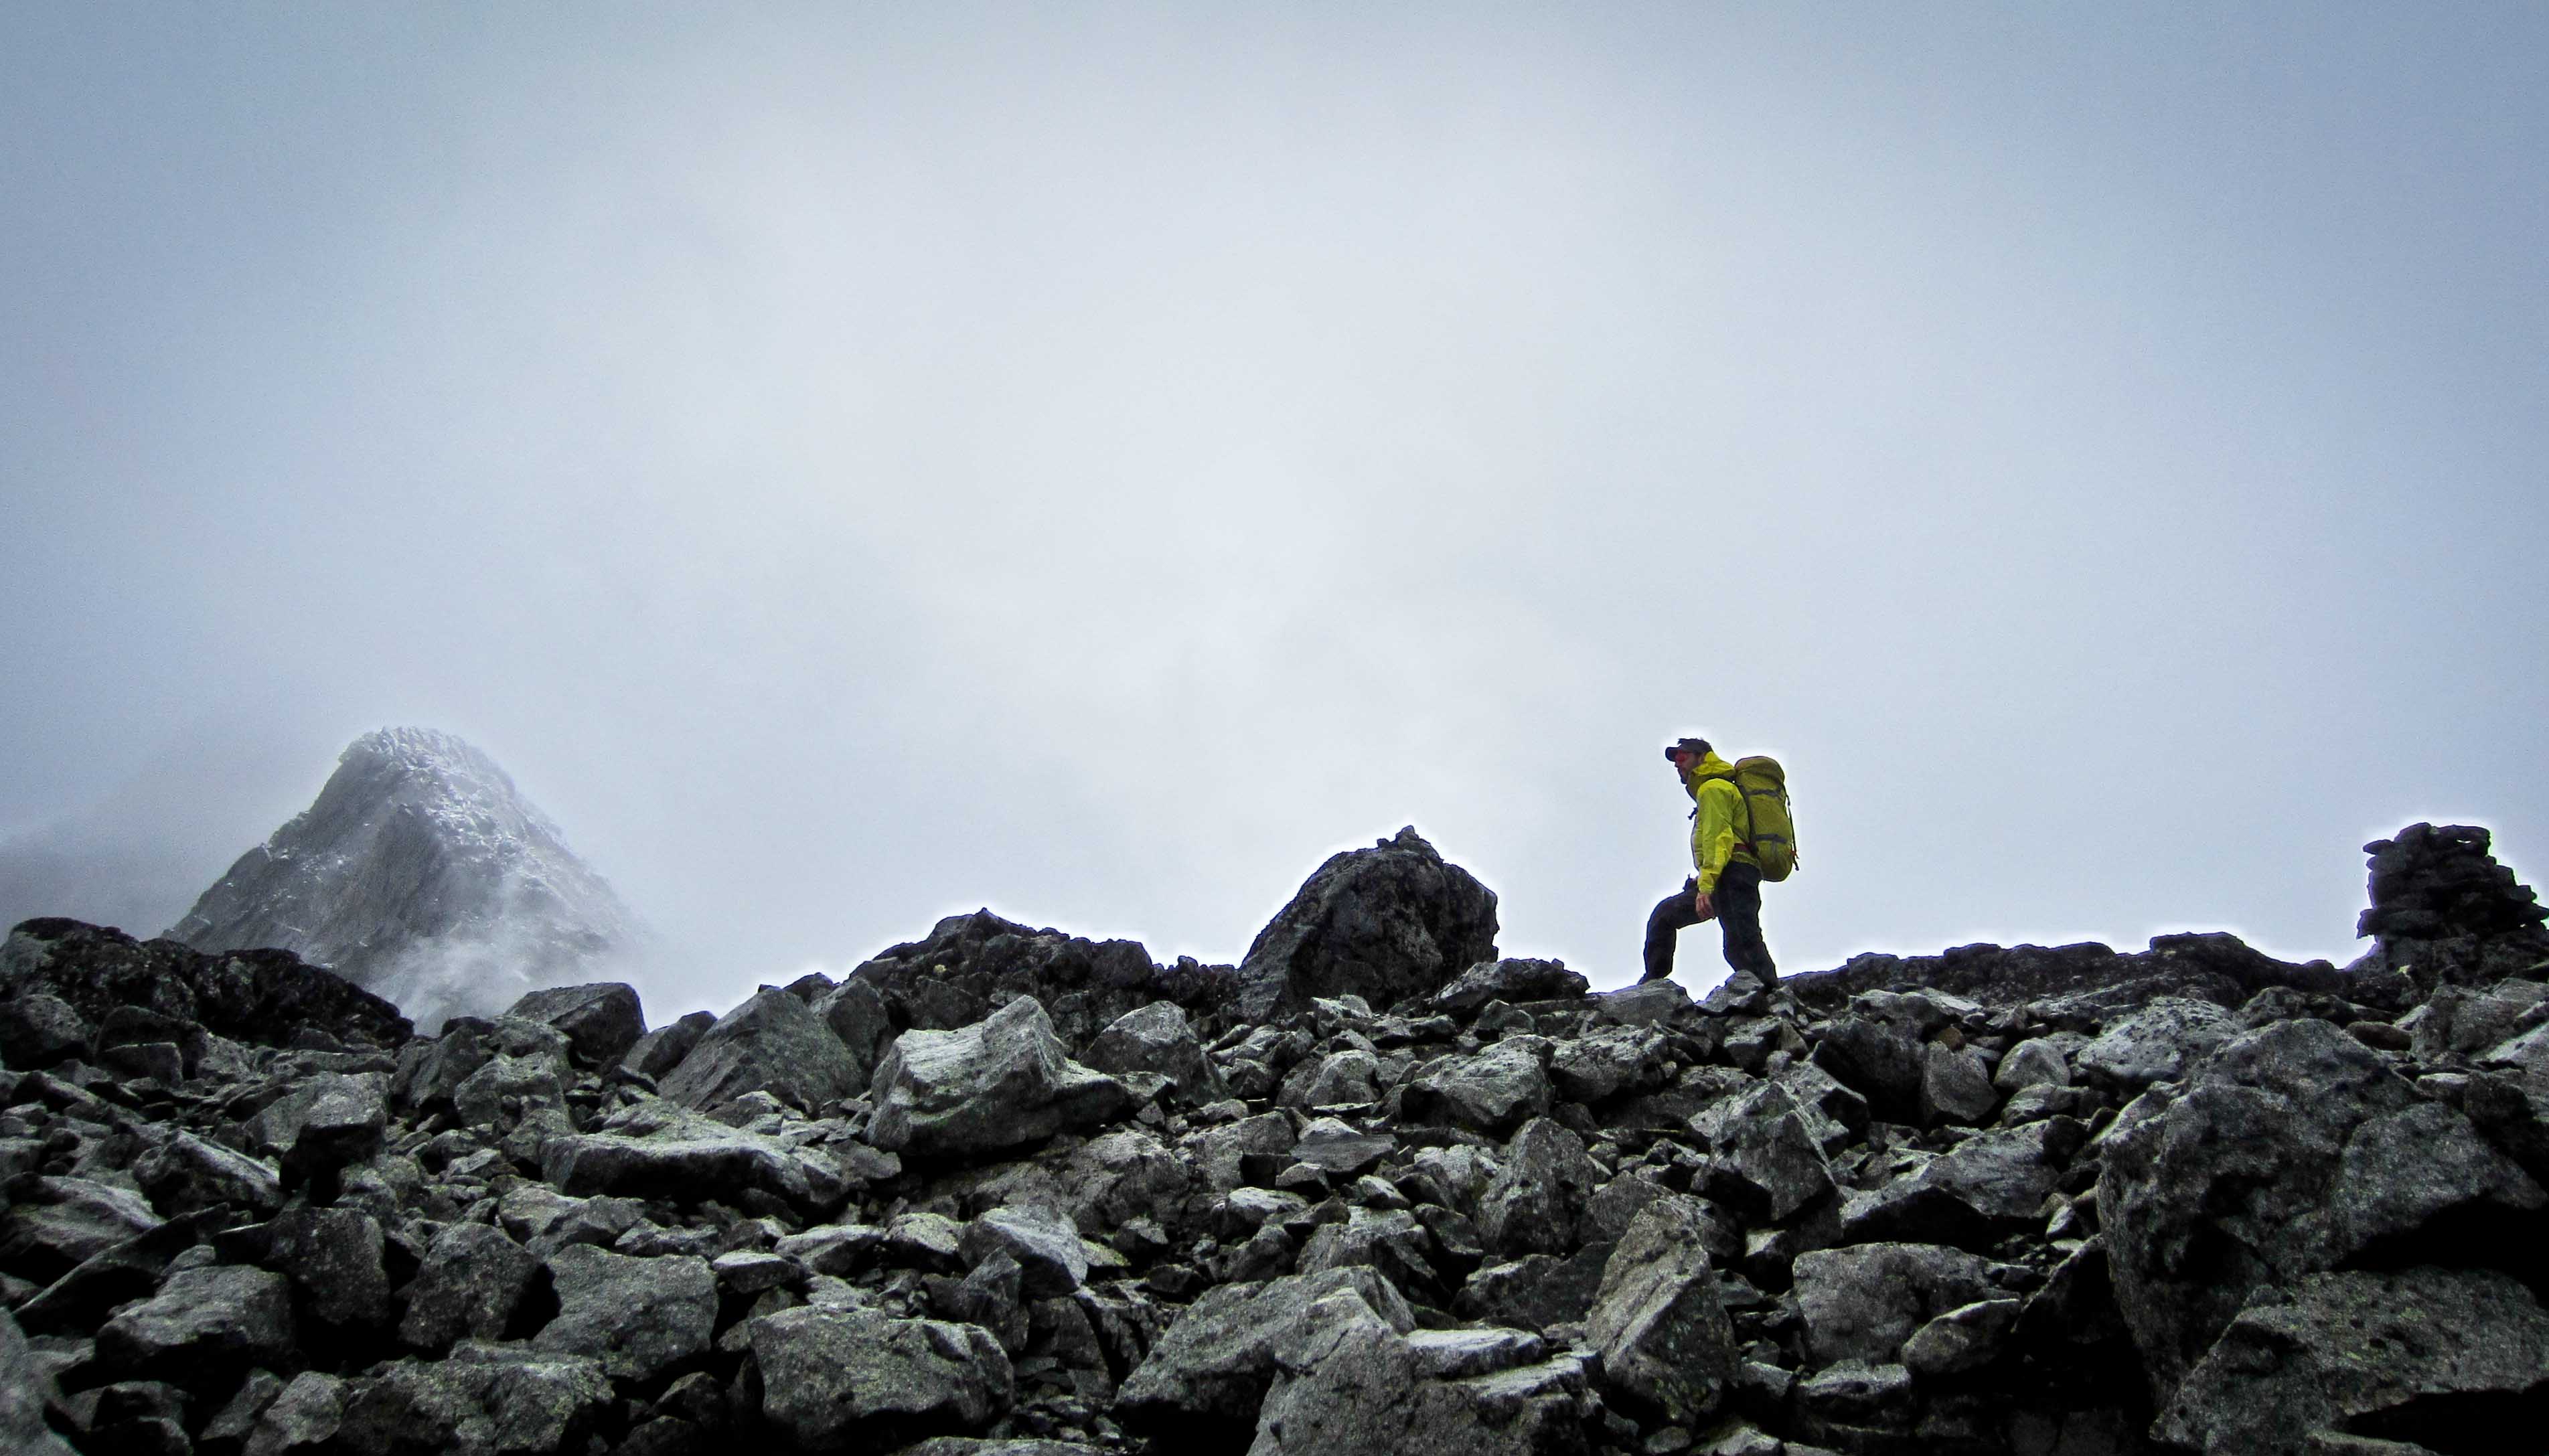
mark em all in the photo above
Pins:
pixel 1738 898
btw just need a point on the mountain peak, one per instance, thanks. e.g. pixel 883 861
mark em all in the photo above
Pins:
pixel 421 873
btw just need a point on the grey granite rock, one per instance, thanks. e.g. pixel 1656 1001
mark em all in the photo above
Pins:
pixel 1000 1083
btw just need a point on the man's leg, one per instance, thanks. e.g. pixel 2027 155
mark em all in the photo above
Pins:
pixel 1738 914
pixel 1664 925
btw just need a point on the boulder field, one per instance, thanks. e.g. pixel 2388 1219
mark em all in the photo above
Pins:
pixel 1004 1192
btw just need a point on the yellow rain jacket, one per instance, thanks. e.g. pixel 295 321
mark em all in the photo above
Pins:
pixel 1717 828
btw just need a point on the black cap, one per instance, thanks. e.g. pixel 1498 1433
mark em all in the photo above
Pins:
pixel 1685 746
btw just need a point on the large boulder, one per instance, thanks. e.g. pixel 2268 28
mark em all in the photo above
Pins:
pixel 1368 1389
pixel 2156 1043
pixel 836 1378
pixel 640 1317
pixel 26 1390
pixel 1514 978
pixel 50 1226
pixel 1209 1373
pixel 1537 1196
pixel 657 1151
pixel 774 1044
pixel 2438 1359
pixel 971 964
pixel 1155 1039
pixel 1667 1345
pixel 1491 1091
pixel 472 1279
pixel 264 998
pixel 1000 1083
pixel 325 1124
pixel 601 1020
pixel 481 1400
pixel 204 1328
pixel 334 1258
pixel 2294 1150
pixel 1991 1185
pixel 1763 1157
pixel 185 1173
pixel 1386 923
pixel 1863 1302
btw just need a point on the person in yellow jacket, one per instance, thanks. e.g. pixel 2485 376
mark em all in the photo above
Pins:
pixel 1728 887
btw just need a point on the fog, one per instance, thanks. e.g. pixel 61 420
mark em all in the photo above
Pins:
pixel 854 465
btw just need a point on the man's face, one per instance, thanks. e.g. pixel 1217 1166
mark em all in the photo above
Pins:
pixel 1682 759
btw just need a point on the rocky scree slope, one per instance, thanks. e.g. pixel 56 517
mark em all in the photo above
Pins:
pixel 1003 1192
pixel 420 873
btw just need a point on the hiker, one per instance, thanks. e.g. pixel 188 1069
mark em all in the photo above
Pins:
pixel 1736 827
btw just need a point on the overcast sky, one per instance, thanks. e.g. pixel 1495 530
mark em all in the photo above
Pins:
pixel 856 464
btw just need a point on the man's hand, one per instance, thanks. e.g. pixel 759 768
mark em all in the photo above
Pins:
pixel 1701 904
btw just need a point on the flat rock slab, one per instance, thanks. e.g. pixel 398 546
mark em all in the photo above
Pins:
pixel 204 1328
pixel 829 1376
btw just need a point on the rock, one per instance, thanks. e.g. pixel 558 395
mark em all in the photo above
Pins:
pixel 1651 1003
pixel 1513 979
pixel 774 1044
pixel 659 1151
pixel 1386 923
pixel 1221 1152
pixel 38 1030
pixel 1349 1078
pixel 2037 1062
pixel 1964 1338
pixel 471 1280
pixel 265 997
pixel 1863 1302
pixel 1666 1347
pixel 333 1258
pixel 186 1173
pixel 26 1390
pixel 115 1276
pixel 1493 1091
pixel 997 1084
pixel 657 1053
pixel 829 1377
pixel 1991 1184
pixel 1537 1291
pixel 601 1020
pixel 482 1401
pixel 640 1317
pixel 1118 1176
pixel 54 1224
pixel 2156 1043
pixel 2294 1149
pixel 1340 1150
pixel 1387 1239
pixel 1209 1371
pixel 1608 1062
pixel 1956 1086
pixel 925 1242
pixel 1155 1039
pixel 1763 1157
pixel 203 1329
pixel 1878 1061
pixel 1533 1205
pixel 1047 1248
pixel 2458 1352
pixel 326 1124
pixel 1373 1391
pixel 303 1416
